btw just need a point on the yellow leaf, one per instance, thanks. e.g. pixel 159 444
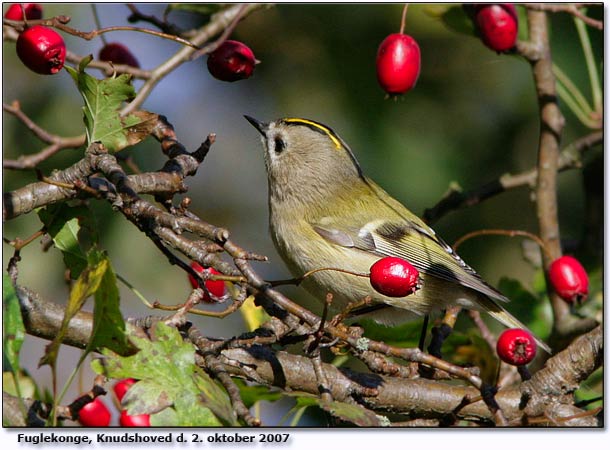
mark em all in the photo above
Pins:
pixel 253 315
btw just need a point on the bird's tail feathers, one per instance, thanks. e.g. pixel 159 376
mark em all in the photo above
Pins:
pixel 506 318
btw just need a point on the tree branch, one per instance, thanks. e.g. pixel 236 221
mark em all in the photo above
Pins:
pixel 549 390
pixel 565 326
pixel 455 198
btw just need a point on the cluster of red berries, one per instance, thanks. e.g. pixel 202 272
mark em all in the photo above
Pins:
pixel 33 11
pixel 97 414
pixel 396 277
pixel 399 58
pixel 43 50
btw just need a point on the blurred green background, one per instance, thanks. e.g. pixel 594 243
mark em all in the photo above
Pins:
pixel 472 117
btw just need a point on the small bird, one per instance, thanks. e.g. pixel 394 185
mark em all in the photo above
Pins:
pixel 325 213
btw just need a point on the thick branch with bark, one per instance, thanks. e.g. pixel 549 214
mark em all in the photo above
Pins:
pixel 565 325
pixel 549 391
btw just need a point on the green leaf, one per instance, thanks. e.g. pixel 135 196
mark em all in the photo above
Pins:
pixel 168 377
pixel 475 351
pixel 404 335
pixel 453 17
pixel 67 225
pixel 255 393
pixel 27 387
pixel 215 398
pixel 165 418
pixel 108 324
pixel 352 413
pixel 103 102
pixel 13 330
pixel 190 413
pixel 524 305
pixel 523 31
pixel 85 286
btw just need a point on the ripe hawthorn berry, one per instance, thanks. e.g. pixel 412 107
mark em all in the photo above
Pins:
pixel 231 61
pixel 117 53
pixel 41 49
pixel 136 420
pixel 569 279
pixel 398 63
pixel 394 277
pixel 498 25
pixel 516 347
pixel 122 386
pixel 216 288
pixel 33 11
pixel 94 414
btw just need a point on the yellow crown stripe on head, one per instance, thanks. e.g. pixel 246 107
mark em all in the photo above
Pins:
pixel 311 123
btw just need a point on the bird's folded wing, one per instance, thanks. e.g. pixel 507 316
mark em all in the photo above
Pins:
pixel 413 242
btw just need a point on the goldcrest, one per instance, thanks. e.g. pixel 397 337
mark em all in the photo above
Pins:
pixel 325 213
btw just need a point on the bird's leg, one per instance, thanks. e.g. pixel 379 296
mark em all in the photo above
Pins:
pixel 440 333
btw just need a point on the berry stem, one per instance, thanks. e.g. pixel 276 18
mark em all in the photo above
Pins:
pixel 509 233
pixel 299 280
pixel 403 19
pixel 311 272
pixel 60 22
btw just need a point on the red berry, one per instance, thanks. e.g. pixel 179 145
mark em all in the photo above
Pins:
pixel 137 420
pixel 94 414
pixel 398 63
pixel 231 61
pixel 394 277
pixel 516 347
pixel 118 54
pixel 569 279
pixel 122 386
pixel 216 288
pixel 498 25
pixel 42 50
pixel 33 11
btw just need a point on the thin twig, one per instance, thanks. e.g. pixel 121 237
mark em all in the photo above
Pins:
pixel 223 37
pixel 60 22
pixel 217 24
pixel 163 25
pixel 222 375
pixel 570 8
pixel 57 142
pixel 456 199
pixel 497 232
pixel 486 334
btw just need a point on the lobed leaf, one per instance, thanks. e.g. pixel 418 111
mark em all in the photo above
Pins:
pixel 168 379
pixel 103 102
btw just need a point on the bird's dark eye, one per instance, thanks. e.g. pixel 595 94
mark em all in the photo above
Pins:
pixel 280 145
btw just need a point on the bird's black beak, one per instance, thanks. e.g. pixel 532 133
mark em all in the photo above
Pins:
pixel 260 126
